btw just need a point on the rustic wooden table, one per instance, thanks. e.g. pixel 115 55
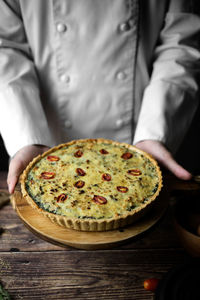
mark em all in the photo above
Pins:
pixel 31 268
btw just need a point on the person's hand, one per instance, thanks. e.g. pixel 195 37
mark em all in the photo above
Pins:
pixel 19 162
pixel 163 156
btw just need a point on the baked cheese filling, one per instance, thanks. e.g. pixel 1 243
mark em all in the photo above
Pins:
pixel 92 181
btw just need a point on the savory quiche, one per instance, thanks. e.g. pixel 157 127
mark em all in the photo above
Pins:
pixel 92 184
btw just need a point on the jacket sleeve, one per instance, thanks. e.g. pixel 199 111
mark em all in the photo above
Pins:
pixel 22 119
pixel 171 98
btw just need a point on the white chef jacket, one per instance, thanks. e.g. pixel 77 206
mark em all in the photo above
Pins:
pixel 120 69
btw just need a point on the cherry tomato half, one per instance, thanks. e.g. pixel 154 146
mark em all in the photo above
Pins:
pixel 151 284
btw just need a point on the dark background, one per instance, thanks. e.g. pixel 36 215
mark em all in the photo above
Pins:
pixel 3 156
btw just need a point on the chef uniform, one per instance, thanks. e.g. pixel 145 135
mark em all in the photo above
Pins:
pixel 126 70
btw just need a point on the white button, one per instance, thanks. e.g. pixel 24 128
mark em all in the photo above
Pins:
pixel 119 123
pixel 68 124
pixel 124 27
pixel 65 78
pixel 61 27
pixel 121 75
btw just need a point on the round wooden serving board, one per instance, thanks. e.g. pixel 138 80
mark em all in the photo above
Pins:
pixel 45 229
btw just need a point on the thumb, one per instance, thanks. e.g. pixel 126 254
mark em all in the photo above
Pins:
pixel 20 161
pixel 163 156
pixel 15 168
pixel 175 168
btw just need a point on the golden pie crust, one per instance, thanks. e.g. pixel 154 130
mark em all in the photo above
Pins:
pixel 92 184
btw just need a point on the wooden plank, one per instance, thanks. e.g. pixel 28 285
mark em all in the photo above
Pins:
pixel 84 275
pixel 16 235
pixel 46 229
pixel 31 268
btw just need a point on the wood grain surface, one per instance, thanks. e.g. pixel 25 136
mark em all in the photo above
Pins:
pixel 31 268
pixel 47 230
pixel 85 275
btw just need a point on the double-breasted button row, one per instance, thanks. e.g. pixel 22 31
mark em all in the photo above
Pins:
pixel 119 123
pixel 123 27
pixel 65 78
